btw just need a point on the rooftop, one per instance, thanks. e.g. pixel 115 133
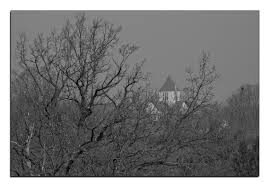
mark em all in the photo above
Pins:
pixel 169 85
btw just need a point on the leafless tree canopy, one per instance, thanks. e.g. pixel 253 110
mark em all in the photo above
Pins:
pixel 78 108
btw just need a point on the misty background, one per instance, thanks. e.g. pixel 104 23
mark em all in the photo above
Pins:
pixel 171 41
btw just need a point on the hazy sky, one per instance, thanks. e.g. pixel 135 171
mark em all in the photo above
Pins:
pixel 172 41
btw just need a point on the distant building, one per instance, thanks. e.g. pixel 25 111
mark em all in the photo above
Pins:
pixel 169 93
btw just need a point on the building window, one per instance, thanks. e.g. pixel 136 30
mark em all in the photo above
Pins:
pixel 163 96
pixel 166 96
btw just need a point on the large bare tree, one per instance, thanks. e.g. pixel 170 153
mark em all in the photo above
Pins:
pixel 79 108
pixel 83 66
pixel 181 132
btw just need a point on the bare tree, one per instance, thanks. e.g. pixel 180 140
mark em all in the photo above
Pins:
pixel 82 67
pixel 78 108
pixel 242 110
pixel 180 133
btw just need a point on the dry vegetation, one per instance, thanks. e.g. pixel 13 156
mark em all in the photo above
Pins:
pixel 78 109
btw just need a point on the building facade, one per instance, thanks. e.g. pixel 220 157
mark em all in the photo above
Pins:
pixel 169 93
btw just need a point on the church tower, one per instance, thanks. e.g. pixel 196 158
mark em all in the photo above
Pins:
pixel 169 93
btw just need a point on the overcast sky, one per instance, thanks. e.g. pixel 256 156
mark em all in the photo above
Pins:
pixel 172 41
